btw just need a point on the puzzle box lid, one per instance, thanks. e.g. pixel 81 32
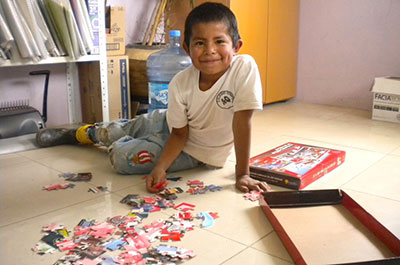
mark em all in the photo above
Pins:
pixel 294 165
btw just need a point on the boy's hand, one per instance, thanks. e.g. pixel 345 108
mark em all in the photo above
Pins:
pixel 245 184
pixel 156 181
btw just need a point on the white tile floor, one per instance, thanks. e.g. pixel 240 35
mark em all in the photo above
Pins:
pixel 242 234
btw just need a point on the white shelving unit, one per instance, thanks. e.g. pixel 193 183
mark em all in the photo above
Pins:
pixel 51 60
pixel 72 77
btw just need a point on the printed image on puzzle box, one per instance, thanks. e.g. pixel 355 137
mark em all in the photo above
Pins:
pixel 297 160
pixel 295 165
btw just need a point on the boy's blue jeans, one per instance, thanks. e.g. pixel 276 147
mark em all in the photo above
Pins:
pixel 137 144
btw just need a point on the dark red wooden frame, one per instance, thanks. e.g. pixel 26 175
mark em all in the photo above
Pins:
pixel 287 199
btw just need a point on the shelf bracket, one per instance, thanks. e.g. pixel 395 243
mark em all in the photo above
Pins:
pixel 73 94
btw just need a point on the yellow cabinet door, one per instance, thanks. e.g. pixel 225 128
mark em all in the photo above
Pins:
pixel 269 29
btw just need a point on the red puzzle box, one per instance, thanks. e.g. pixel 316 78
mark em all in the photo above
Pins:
pixel 294 165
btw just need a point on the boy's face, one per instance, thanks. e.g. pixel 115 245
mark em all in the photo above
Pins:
pixel 211 49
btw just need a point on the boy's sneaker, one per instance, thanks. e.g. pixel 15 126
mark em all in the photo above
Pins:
pixel 57 136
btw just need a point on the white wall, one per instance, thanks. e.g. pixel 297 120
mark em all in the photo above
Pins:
pixel 343 45
pixel 17 84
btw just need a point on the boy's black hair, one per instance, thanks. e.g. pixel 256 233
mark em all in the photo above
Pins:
pixel 211 12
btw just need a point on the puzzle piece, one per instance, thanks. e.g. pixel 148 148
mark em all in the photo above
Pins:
pixel 185 207
pixel 174 236
pixel 195 183
pixel 87 261
pixel 214 215
pixel 128 258
pixel 59 186
pixel 53 227
pixel 161 185
pixel 66 245
pixel 52 239
pixel 97 189
pixel 132 200
pixel 115 244
pixel 185 216
pixel 67 175
pixel 174 178
pixel 107 260
pixel 92 252
pixel 83 223
pixel 208 220
pixel 101 230
pixel 86 176
pixel 197 190
pixel 174 252
pixel 149 200
pixel 252 195
pixel 42 248
pixel 213 188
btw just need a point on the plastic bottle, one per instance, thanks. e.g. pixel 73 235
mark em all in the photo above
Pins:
pixel 162 66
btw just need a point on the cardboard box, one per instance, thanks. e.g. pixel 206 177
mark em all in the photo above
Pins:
pixel 386 102
pixel 294 165
pixel 118 90
pixel 328 227
pixel 115 33
pixel 118 87
pixel 93 10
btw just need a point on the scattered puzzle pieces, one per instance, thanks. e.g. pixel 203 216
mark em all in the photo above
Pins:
pixel 197 187
pixel 91 239
pixel 87 176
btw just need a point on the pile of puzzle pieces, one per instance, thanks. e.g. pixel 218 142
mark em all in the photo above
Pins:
pixel 94 242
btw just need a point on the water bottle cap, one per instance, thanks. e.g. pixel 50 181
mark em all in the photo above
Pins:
pixel 174 33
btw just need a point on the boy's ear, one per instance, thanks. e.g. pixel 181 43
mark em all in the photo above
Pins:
pixel 238 45
pixel 186 48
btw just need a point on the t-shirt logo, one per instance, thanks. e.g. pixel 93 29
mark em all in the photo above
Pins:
pixel 225 99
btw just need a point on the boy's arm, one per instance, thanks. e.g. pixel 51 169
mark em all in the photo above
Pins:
pixel 242 139
pixel 172 149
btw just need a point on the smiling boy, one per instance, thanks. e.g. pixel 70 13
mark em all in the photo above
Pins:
pixel 211 103
pixel 210 106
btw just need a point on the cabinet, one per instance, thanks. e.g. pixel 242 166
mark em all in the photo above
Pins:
pixel 269 29
pixel 72 79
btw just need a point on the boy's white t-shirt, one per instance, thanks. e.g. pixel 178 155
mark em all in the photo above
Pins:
pixel 209 114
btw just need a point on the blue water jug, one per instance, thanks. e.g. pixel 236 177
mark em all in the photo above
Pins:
pixel 162 66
